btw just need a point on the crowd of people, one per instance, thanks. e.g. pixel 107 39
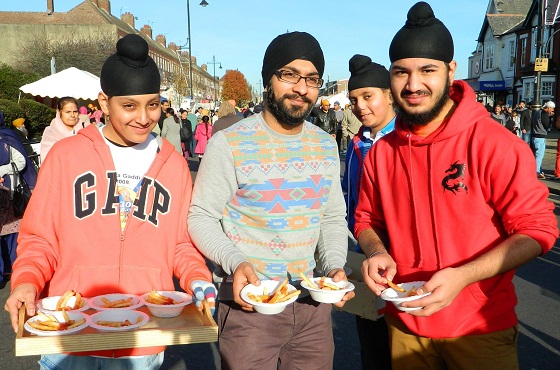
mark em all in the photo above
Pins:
pixel 268 204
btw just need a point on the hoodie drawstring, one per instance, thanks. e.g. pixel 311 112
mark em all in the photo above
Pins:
pixel 418 255
pixel 433 208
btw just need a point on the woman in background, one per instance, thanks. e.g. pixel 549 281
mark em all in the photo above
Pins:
pixel 202 133
pixel 170 129
pixel 65 124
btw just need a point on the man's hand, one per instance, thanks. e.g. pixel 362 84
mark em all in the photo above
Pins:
pixel 338 275
pixel 373 269
pixel 23 294
pixel 244 274
pixel 445 285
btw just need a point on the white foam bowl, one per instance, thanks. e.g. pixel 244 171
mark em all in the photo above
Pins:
pixel 76 316
pixel 48 304
pixel 118 316
pixel 97 302
pixel 168 310
pixel 398 298
pixel 266 308
pixel 328 296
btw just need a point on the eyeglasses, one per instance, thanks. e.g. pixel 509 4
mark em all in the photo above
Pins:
pixel 293 78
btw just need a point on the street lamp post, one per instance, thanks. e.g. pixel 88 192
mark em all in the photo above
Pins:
pixel 214 62
pixel 203 3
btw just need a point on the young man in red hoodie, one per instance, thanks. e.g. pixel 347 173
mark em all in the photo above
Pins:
pixel 438 203
pixel 113 220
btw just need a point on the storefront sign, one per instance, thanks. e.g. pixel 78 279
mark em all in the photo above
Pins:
pixel 492 85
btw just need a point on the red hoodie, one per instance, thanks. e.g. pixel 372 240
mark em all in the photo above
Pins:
pixel 70 237
pixel 445 199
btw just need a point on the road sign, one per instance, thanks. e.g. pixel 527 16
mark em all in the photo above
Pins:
pixel 541 64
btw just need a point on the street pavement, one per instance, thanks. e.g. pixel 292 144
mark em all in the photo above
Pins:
pixel 538 309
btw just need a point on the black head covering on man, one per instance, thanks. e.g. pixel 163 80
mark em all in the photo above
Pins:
pixel 130 71
pixel 365 73
pixel 422 36
pixel 289 47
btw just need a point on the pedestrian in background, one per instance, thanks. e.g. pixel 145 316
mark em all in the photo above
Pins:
pixel 350 126
pixel 13 162
pixel 170 130
pixel 227 117
pixel 541 121
pixel 372 102
pixel 65 124
pixel 525 122
pixel 325 118
pixel 202 134
pixel 186 127
pixel 467 213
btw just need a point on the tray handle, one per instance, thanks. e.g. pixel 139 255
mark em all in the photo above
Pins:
pixel 21 321
pixel 207 318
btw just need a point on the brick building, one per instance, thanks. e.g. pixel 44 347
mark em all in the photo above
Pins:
pixel 93 17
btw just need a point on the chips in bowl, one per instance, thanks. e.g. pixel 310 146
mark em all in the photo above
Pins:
pixel 271 297
pixel 166 303
pixel 116 301
pixel 398 297
pixel 118 320
pixel 325 290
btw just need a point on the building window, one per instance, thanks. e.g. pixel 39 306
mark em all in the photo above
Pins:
pixel 523 51
pixel 528 91
pixel 546 89
pixel 511 54
pixel 534 42
pixel 489 57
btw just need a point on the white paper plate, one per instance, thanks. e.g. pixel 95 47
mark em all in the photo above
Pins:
pixel 97 303
pixel 118 315
pixel 48 304
pixel 58 314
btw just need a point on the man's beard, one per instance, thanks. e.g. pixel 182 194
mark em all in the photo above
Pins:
pixel 422 119
pixel 293 116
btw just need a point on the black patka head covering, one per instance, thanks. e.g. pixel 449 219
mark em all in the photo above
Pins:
pixel 422 36
pixel 130 71
pixel 289 47
pixel 365 73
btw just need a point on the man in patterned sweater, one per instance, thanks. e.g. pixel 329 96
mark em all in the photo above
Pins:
pixel 267 199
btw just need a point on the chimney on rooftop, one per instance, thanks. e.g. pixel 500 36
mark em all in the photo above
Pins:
pixel 173 46
pixel 105 5
pixel 147 30
pixel 128 18
pixel 50 6
pixel 161 39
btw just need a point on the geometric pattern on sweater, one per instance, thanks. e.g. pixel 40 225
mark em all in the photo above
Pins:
pixel 283 186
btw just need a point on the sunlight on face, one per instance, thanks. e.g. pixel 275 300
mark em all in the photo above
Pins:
pixel 131 118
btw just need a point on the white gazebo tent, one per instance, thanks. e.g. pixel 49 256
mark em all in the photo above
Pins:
pixel 69 82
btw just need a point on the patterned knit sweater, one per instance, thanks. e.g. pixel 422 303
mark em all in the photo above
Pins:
pixel 270 199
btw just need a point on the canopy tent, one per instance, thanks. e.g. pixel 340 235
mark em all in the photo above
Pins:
pixel 342 98
pixel 69 82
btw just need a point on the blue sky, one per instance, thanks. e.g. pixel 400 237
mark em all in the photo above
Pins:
pixel 237 32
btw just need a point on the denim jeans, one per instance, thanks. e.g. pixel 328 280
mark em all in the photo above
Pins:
pixel 540 146
pixel 70 362
pixel 526 138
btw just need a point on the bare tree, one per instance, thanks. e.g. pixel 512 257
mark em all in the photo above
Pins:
pixel 87 53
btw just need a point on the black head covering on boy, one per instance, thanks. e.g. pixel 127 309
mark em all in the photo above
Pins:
pixel 365 73
pixel 130 71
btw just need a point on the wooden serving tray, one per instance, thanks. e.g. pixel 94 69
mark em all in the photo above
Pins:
pixel 191 326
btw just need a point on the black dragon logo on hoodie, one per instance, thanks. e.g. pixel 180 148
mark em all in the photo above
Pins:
pixel 454 181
